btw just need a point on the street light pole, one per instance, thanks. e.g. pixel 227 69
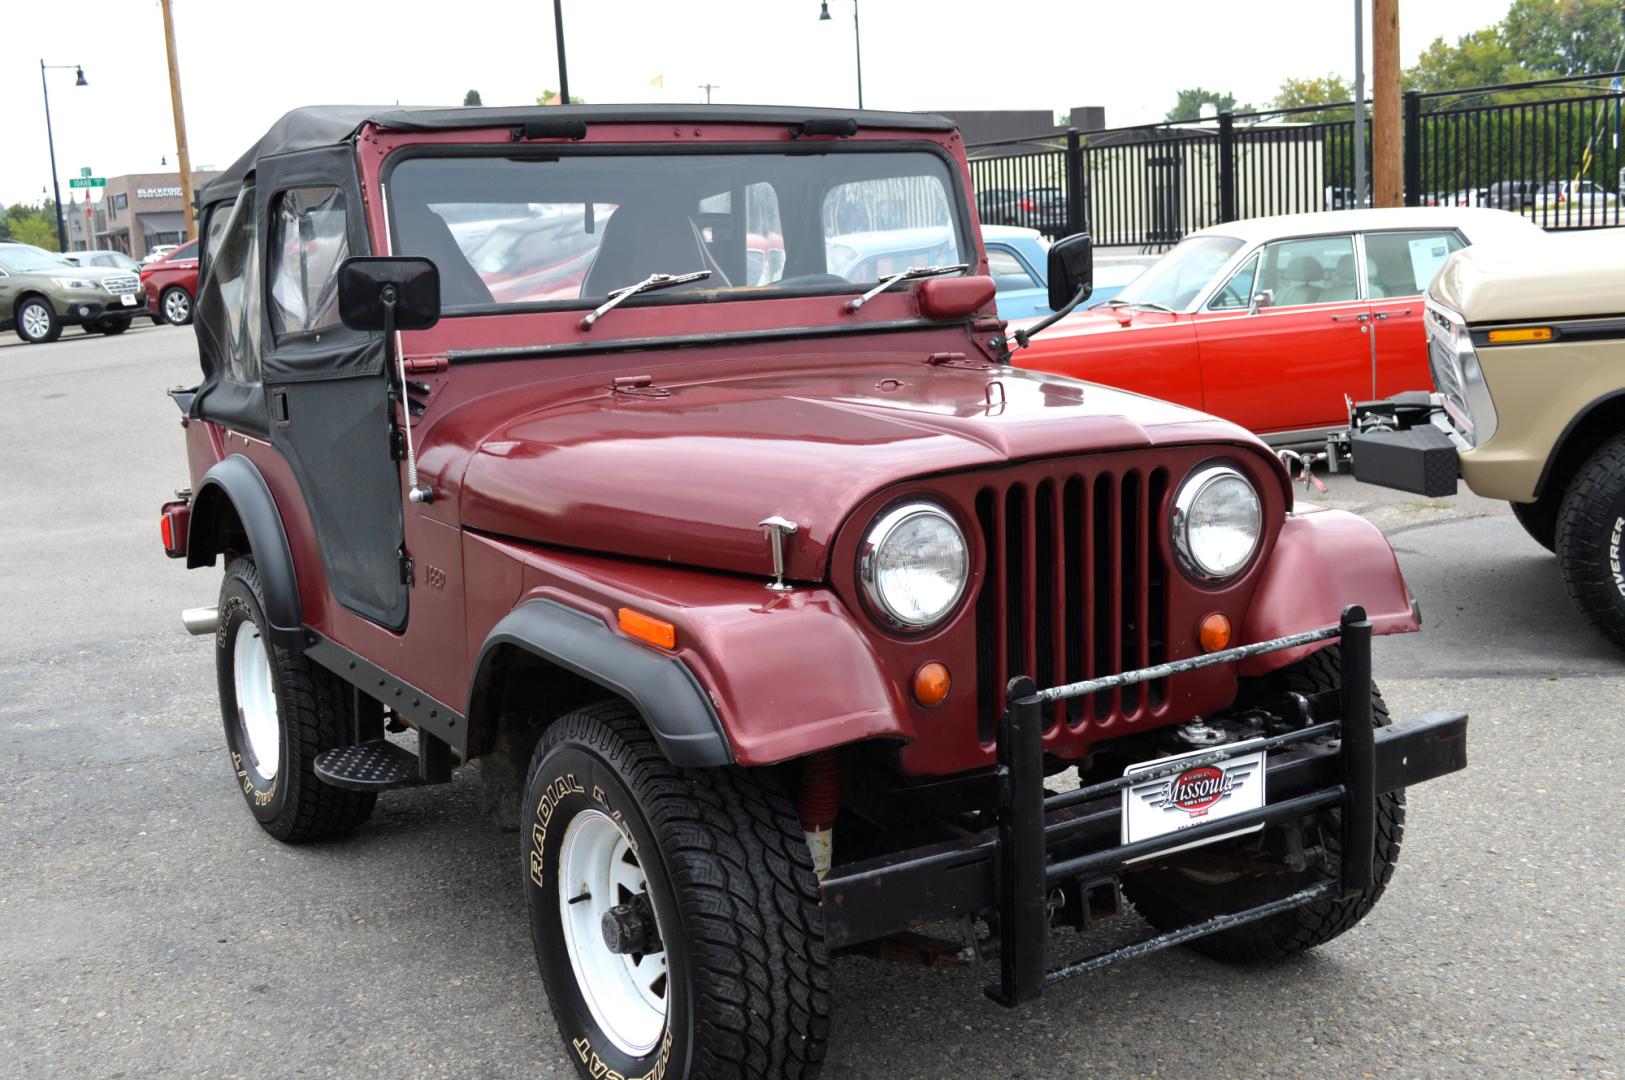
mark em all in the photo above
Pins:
pixel 857 39
pixel 1359 104
pixel 50 141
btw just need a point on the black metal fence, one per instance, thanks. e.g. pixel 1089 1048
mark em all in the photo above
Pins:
pixel 1552 150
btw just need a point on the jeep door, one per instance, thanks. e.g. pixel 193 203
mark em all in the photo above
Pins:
pixel 331 416
pixel 1284 366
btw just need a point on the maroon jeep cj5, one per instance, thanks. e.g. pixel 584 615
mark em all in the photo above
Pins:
pixel 667 464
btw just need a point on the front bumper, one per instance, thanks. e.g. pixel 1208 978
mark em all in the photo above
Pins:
pixel 87 308
pixel 1071 841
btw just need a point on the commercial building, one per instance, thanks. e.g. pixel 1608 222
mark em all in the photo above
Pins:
pixel 136 213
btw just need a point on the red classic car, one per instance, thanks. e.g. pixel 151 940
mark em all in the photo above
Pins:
pixel 1270 322
pixel 171 284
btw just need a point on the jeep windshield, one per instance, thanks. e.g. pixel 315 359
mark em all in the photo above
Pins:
pixel 567 230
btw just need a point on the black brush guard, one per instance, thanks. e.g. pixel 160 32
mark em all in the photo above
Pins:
pixel 1044 841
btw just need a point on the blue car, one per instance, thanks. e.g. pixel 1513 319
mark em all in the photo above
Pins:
pixel 1018 259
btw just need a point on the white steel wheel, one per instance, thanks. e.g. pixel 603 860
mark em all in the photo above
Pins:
pixel 625 992
pixel 256 702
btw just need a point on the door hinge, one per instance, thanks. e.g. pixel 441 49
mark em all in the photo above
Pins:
pixel 406 567
pixel 397 444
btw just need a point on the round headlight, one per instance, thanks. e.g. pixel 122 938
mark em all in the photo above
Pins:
pixel 914 565
pixel 1217 522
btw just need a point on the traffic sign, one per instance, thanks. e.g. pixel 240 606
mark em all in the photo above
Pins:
pixel 87 181
pixel 84 170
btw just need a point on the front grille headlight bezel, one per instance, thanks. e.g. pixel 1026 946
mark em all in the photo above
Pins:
pixel 881 591
pixel 1192 503
pixel 1458 377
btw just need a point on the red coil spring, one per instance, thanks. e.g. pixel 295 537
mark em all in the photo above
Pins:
pixel 820 798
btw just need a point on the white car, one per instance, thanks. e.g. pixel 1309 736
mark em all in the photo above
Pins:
pixel 1580 194
pixel 157 253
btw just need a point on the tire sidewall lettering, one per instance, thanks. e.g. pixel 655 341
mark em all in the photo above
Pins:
pixel 264 797
pixel 569 781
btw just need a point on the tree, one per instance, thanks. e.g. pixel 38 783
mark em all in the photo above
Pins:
pixel 1537 39
pixel 551 97
pixel 1190 102
pixel 30 224
pixel 1326 90
pixel 472 98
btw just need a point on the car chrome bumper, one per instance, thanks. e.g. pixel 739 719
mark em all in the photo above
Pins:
pixel 1337 758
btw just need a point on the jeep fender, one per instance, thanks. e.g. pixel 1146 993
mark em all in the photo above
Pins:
pixel 664 691
pixel 234 484
pixel 1323 561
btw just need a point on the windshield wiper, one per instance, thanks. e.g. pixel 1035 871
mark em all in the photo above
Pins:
pixel 648 284
pixel 905 275
pixel 1114 302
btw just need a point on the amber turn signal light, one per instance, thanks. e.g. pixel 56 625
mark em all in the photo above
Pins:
pixel 1521 334
pixel 931 683
pixel 1214 632
pixel 648 628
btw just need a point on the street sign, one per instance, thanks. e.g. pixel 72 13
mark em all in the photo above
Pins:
pixel 84 170
pixel 87 181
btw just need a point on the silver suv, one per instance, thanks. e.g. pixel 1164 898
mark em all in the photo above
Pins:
pixel 41 292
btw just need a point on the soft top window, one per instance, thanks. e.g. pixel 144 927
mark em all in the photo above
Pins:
pixel 308 241
pixel 570 229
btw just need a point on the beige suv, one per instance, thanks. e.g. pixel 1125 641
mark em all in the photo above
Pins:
pixel 1526 341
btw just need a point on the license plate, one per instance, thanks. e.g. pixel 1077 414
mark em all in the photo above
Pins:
pixel 1192 796
pixel 127 301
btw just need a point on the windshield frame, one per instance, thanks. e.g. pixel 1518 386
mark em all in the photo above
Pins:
pixel 964 229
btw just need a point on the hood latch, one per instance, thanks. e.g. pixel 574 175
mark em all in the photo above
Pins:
pixel 639 386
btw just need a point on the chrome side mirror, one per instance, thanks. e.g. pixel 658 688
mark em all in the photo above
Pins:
pixel 1263 298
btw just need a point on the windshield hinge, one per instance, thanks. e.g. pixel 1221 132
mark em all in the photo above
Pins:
pixel 426 365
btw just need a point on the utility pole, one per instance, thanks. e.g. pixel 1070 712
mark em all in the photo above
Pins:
pixel 1359 103
pixel 50 141
pixel 708 87
pixel 182 155
pixel 1387 154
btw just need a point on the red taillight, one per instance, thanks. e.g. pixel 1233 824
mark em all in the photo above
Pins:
pixel 174 518
pixel 1027 205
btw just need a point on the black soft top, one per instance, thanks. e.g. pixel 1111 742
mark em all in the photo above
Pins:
pixel 327 125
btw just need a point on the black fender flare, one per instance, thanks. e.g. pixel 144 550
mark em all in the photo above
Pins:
pixel 235 481
pixel 676 709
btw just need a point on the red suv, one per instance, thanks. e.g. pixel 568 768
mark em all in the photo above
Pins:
pixel 171 284
pixel 763 599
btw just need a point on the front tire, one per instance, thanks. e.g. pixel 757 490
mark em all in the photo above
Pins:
pixel 176 304
pixel 1171 898
pixel 37 321
pixel 731 979
pixel 1591 540
pixel 280 710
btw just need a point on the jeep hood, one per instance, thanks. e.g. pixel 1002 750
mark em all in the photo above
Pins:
pixel 683 472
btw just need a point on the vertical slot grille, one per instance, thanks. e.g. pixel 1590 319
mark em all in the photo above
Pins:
pixel 1076 587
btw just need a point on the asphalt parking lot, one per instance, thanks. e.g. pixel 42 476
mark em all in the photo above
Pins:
pixel 148 928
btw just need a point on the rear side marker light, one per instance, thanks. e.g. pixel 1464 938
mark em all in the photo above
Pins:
pixel 648 628
pixel 173 521
pixel 1526 333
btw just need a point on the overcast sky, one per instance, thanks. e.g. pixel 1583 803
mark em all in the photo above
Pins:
pixel 243 64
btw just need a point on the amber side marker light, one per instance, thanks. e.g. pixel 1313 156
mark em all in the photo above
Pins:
pixel 931 683
pixel 648 628
pixel 1214 632
pixel 1526 333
